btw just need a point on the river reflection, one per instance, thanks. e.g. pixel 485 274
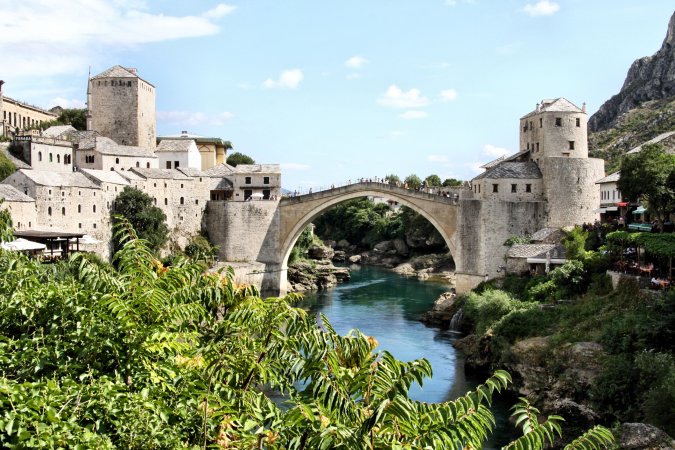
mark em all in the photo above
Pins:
pixel 387 306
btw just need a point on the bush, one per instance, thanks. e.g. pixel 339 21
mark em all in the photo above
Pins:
pixel 486 309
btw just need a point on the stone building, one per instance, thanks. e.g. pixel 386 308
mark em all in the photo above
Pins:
pixel 213 151
pixel 102 153
pixel 45 153
pixel 16 116
pixel 175 153
pixel 255 181
pixel 121 106
pixel 21 207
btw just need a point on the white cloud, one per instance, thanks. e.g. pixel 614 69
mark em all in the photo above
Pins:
pixel 193 118
pixel 494 151
pixel 295 166
pixel 408 115
pixel 448 95
pixel 51 38
pixel 437 158
pixel 353 76
pixel 356 62
pixel 288 79
pixel 67 103
pixel 396 98
pixel 219 11
pixel 542 8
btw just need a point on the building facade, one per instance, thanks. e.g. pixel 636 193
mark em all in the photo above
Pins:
pixel 121 106
pixel 16 116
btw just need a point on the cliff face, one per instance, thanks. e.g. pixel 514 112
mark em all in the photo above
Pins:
pixel 649 78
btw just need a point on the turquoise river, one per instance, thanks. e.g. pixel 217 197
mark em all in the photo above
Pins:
pixel 388 306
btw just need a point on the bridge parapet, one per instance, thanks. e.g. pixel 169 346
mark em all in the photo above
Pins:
pixel 383 188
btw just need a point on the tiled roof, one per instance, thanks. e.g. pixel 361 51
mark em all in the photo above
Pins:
pixel 511 169
pixel 12 194
pixel 611 178
pixel 258 168
pixel 493 163
pixel 221 170
pixel 115 72
pixel 57 131
pixel 192 172
pixel 105 176
pixel 56 179
pixel 175 145
pixel 107 146
pixel 544 233
pixel 528 250
pixel 85 140
pixel 164 174
pixel 555 105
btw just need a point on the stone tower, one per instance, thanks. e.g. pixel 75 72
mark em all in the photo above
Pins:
pixel 121 106
pixel 556 138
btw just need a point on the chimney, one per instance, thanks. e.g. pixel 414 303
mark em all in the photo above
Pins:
pixel 583 107
pixel 537 107
pixel 132 70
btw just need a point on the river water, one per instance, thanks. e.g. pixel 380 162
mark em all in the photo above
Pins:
pixel 388 306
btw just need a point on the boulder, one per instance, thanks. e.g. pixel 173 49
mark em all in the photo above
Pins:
pixel 401 247
pixel 355 259
pixel 329 243
pixel 405 269
pixel 442 311
pixel 320 252
pixel 339 256
pixel 343 244
pixel 641 436
pixel 384 247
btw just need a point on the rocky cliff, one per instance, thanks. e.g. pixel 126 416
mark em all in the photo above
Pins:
pixel 649 78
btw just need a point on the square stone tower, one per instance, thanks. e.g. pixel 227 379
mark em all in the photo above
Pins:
pixel 121 106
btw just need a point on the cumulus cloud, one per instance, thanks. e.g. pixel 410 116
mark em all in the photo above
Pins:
pixel 67 103
pixel 494 151
pixel 437 158
pixel 295 166
pixel 51 38
pixel 396 98
pixel 356 62
pixel 193 118
pixel 409 115
pixel 541 8
pixel 448 95
pixel 288 79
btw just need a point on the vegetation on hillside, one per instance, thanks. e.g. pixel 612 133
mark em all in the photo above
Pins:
pixel 145 356
pixel 7 167
pixel 576 303
pixel 71 116
pixel 632 129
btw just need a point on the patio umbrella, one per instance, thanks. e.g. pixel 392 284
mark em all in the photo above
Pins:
pixel 22 245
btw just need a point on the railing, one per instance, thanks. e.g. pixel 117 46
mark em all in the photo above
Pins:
pixel 448 192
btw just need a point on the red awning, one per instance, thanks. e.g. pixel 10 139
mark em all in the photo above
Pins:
pixel 622 204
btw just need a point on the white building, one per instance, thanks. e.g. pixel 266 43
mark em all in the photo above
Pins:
pixel 178 153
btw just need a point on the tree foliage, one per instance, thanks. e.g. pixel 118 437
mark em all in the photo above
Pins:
pixel 70 116
pixel 6 225
pixel 7 167
pixel 645 175
pixel 148 220
pixel 413 181
pixel 237 158
pixel 451 182
pixel 433 180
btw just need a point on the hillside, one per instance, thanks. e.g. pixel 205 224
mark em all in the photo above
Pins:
pixel 631 129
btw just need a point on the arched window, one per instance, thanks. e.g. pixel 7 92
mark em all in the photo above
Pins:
pixel 58 158
pixel 39 156
pixel 147 165
pixel 49 211
pixel 138 164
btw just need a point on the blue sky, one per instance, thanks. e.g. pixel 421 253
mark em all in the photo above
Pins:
pixel 337 90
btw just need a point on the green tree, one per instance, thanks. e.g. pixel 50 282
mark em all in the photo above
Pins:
pixel 7 167
pixel 237 158
pixel 148 220
pixel 74 116
pixel 452 182
pixel 413 181
pixel 393 179
pixel 433 180
pixel 6 225
pixel 645 175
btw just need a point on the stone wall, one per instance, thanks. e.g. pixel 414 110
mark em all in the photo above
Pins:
pixel 554 140
pixel 571 191
pixel 52 156
pixel 505 189
pixel 24 214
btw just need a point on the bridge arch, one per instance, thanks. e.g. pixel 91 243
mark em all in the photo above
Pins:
pixel 298 212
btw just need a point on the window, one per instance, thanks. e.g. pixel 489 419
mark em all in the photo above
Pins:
pixel 196 202
pixel 63 211
pixel 79 208
pixel 138 164
pixel 528 188
pixel 49 211
pixel 541 122
pixel 51 158
pixel 558 121
pixel 182 200
pixel 176 164
pixel 147 165
pixel 63 193
pixel 50 192
pixel 117 160
pixel 571 145
pixel 578 122
pixel 248 180
pixel 94 226
pixel 513 188
pixel 166 201
pixel 181 185
pixel 79 225
pixel 39 156
pixel 537 144
pixel 58 158
pixel 93 208
pixel 168 164
pixel 495 188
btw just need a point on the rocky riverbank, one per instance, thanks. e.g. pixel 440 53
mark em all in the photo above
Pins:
pixel 316 271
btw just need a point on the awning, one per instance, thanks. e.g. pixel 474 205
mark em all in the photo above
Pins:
pixel 622 204
pixel 86 240
pixel 22 245
pixel 640 210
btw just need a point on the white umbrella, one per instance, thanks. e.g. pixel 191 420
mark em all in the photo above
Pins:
pixel 85 240
pixel 21 245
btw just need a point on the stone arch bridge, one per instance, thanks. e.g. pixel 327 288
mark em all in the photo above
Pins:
pixel 266 231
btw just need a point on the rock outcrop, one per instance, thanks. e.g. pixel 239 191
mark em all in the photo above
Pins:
pixel 311 276
pixel 641 436
pixel 442 312
pixel 649 78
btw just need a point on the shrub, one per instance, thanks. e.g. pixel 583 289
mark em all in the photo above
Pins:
pixel 486 309
pixel 524 323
